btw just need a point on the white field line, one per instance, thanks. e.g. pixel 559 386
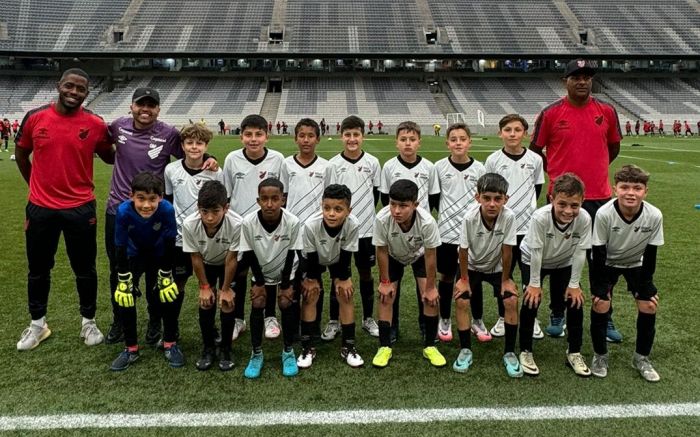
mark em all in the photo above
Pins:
pixel 345 417
pixel 659 160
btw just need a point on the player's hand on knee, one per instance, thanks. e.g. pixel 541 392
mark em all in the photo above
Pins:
pixel 206 296
pixel 431 296
pixel 532 296
pixel 258 296
pixel 344 290
pixel 310 288
pixel 124 294
pixel 387 290
pixel 167 289
pixel 285 298
pixel 227 299
pixel 575 295
pixel 460 289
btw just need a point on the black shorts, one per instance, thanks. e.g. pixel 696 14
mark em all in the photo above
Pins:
pixel 183 264
pixel 558 278
pixel 366 254
pixel 448 259
pixel 641 289
pixel 592 207
pixel 396 269
pixel 476 280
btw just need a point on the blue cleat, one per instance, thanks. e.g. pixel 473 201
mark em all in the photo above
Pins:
pixel 463 361
pixel 612 335
pixel 556 327
pixel 174 356
pixel 289 364
pixel 512 365
pixel 254 366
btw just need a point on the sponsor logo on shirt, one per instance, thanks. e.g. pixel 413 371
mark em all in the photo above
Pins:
pixel 420 175
pixel 315 174
pixel 222 240
pixel 121 139
pixel 282 237
pixel 644 229
pixel 158 140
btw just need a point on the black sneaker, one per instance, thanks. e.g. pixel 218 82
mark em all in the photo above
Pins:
pixel 226 362
pixel 154 333
pixel 174 356
pixel 123 360
pixel 206 360
pixel 115 334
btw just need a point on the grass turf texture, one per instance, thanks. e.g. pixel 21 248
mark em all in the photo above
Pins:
pixel 64 376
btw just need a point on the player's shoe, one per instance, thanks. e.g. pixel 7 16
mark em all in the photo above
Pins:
pixel 382 357
pixel 432 354
pixel 272 327
pixel 206 360
pixel 445 330
pixel 115 334
pixel 643 365
pixel 350 355
pixel 599 365
pixel 612 335
pixel 306 359
pixel 556 327
pixel 480 332
pixel 370 325
pixel 512 365
pixel 174 356
pixel 289 364
pixel 90 334
pixel 499 329
pixel 238 328
pixel 226 362
pixel 537 333
pixel 463 361
pixel 124 360
pixel 153 333
pixel 254 366
pixel 331 331
pixel 32 336
pixel 527 363
pixel 578 364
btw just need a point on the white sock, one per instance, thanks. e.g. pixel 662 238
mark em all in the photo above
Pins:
pixel 87 320
pixel 39 323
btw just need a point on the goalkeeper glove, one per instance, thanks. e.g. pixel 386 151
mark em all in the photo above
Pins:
pixel 166 286
pixel 124 294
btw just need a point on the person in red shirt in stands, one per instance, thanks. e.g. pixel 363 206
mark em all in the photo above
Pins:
pixel 62 137
pixel 580 134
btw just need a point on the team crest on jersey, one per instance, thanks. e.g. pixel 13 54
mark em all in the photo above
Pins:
pixel 198 182
pixel 154 152
pixel 83 134
pixel 599 120
pixel 157 226
pixel 315 174
pixel 262 174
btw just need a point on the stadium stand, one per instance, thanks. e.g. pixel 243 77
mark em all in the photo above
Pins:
pixel 20 94
pixel 654 99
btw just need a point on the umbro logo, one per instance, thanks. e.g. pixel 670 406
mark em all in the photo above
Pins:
pixel 42 133
pixel 616 229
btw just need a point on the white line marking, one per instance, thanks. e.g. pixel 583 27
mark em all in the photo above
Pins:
pixel 345 417
pixel 659 160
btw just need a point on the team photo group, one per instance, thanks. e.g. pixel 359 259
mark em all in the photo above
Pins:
pixel 259 230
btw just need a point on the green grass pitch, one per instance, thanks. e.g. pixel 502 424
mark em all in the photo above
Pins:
pixel 64 376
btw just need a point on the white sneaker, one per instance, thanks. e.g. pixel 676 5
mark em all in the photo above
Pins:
pixel 306 358
pixel 370 325
pixel 90 334
pixel 238 328
pixel 32 336
pixel 578 364
pixel 537 333
pixel 351 357
pixel 527 363
pixel 499 329
pixel 332 330
pixel 445 330
pixel 645 368
pixel 272 327
pixel 479 330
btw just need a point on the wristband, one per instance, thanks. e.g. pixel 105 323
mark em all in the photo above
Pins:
pixel 463 278
pixel 385 281
pixel 204 287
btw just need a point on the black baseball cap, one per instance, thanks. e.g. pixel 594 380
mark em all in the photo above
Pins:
pixel 580 66
pixel 143 93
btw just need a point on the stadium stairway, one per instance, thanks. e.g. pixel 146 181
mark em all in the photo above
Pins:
pixel 270 106
pixel 444 103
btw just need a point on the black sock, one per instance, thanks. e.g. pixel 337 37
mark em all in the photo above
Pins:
pixel 599 325
pixel 465 339
pixel 289 327
pixel 574 324
pixel 307 330
pixel 239 300
pixel 257 322
pixel 207 320
pixel 501 307
pixel 384 333
pixel 348 334
pixel 431 325
pixel 445 292
pixel 367 294
pixel 334 306
pixel 271 301
pixel 511 334
pixel 228 321
pixel 527 322
pixel 646 330
pixel 319 307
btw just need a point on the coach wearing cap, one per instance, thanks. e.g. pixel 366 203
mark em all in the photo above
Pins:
pixel 580 134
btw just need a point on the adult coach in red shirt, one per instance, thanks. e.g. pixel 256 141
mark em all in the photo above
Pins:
pixel 580 134
pixel 62 136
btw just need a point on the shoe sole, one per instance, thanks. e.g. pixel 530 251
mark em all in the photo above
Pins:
pixel 528 371
pixel 204 368
pixel 582 375
pixel 226 368
pixel 435 365
pixel 121 369
pixel 380 366
pixel 497 335
pixel 461 370
pixel 445 338
pixel 610 340
pixel 599 375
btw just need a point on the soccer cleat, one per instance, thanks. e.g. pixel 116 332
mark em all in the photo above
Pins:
pixel 115 334
pixel 289 364
pixel 556 326
pixel 226 362
pixel 512 365
pixel 206 360
pixel 331 331
pixel 174 356
pixel 306 359
pixel 32 336
pixel 382 357
pixel 272 327
pixel 254 366
pixel 463 361
pixel 643 365
pixel 527 363
pixel 238 328
pixel 578 364
pixel 599 365
pixel 370 325
pixel 537 333
pixel 479 330
pixel 445 330
pixel 350 355
pixel 153 333
pixel 612 335
pixel 90 334
pixel 124 360
pixel 499 329
pixel 432 354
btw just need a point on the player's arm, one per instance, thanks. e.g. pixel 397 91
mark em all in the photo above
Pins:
pixel 24 164
pixel 312 281
pixel 386 287
pixel 573 291
pixel 226 295
pixel 462 284
pixel 538 191
pixel 431 294
pixel 252 261
pixel 285 281
pixel 613 151
pixel 533 290
pixel 206 295
pixel 384 198
pixel 507 284
pixel 649 263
